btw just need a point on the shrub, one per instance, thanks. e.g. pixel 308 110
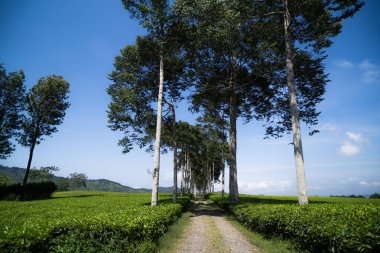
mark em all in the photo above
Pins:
pixel 30 191
pixel 86 222
pixel 375 196
pixel 4 180
pixel 319 227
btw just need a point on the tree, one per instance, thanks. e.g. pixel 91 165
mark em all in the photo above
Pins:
pixel 227 65
pixel 4 180
pixel 155 17
pixel 200 155
pixel 78 180
pixel 375 196
pixel 46 105
pixel 310 25
pixel 63 184
pixel 12 96
pixel 44 174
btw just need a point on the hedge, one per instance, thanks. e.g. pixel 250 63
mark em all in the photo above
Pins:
pixel 318 227
pixel 30 191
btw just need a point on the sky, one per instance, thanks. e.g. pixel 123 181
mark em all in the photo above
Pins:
pixel 79 40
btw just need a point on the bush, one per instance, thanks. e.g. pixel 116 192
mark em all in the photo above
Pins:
pixel 86 222
pixel 375 196
pixel 319 227
pixel 30 191
pixel 4 180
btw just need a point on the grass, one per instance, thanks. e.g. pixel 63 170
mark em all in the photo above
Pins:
pixel 215 244
pixel 175 234
pixel 274 245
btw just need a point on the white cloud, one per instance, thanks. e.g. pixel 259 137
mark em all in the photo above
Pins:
pixel 167 176
pixel 371 72
pixel 344 64
pixel 264 186
pixel 356 137
pixel 329 127
pixel 350 180
pixel 316 187
pixel 353 179
pixel 364 183
pixel 349 149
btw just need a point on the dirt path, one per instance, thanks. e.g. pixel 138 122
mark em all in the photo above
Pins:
pixel 209 231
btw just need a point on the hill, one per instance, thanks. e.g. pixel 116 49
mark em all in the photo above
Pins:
pixel 17 175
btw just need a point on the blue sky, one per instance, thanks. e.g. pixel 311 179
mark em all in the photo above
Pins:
pixel 79 40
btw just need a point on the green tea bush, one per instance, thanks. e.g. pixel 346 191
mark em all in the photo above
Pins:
pixel 30 191
pixel 86 222
pixel 318 227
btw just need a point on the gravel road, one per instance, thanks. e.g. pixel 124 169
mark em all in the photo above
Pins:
pixel 209 231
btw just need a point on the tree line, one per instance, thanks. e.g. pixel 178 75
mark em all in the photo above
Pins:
pixel 30 116
pixel 255 60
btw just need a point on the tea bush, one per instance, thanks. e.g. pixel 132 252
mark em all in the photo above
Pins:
pixel 325 225
pixel 30 191
pixel 86 222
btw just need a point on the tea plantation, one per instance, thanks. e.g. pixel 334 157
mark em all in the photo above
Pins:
pixel 325 225
pixel 86 222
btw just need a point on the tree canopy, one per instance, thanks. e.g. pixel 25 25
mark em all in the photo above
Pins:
pixel 12 96
pixel 261 60
pixel 46 105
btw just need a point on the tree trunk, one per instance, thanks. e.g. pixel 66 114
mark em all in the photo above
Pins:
pixel 223 181
pixel 174 154
pixel 224 167
pixel 29 162
pixel 212 176
pixel 190 174
pixel 182 180
pixel 296 129
pixel 234 194
pixel 156 164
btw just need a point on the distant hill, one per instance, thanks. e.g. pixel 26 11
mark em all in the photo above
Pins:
pixel 108 185
pixel 17 175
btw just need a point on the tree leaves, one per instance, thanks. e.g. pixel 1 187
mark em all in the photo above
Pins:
pixel 46 105
pixel 12 96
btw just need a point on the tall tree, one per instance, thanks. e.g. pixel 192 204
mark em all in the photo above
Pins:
pixel 44 174
pixel 154 15
pixel 226 66
pixel 12 96
pixel 46 105
pixel 200 155
pixel 78 180
pixel 136 87
pixel 311 25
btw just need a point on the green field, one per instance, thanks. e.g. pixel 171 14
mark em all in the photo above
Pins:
pixel 325 225
pixel 86 222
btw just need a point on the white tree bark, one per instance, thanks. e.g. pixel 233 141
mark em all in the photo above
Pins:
pixel 174 154
pixel 156 164
pixel 182 180
pixel 296 129
pixel 233 186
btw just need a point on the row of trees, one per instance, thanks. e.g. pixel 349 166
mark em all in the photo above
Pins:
pixel 75 181
pixel 235 59
pixel 28 117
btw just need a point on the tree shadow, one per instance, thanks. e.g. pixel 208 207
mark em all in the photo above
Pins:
pixel 78 196
pixel 253 200
pixel 200 208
